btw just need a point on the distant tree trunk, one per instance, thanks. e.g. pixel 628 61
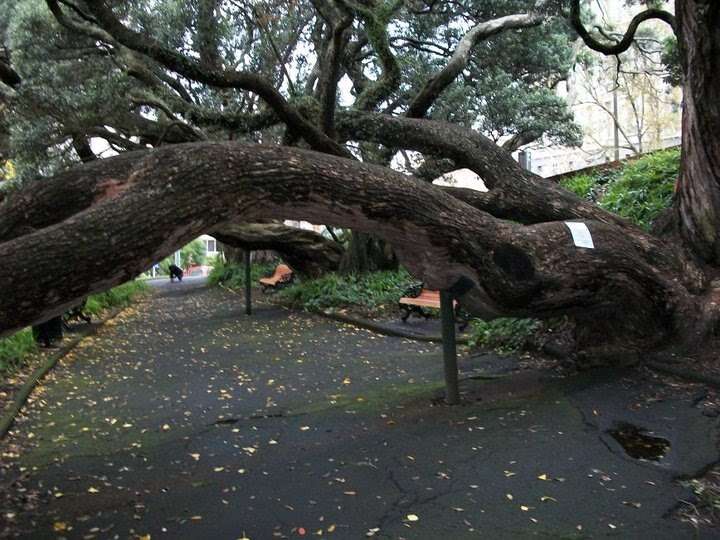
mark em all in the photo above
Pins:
pixel 367 253
pixel 698 195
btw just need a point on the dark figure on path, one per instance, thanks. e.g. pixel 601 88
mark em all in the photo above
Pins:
pixel 175 272
pixel 47 332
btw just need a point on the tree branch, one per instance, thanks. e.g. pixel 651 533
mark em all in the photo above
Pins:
pixel 627 39
pixel 191 69
pixel 424 99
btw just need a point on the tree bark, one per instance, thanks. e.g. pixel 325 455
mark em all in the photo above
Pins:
pixel 306 252
pixel 698 193
pixel 630 285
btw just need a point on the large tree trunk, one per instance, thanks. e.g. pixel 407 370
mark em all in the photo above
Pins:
pixel 630 286
pixel 307 252
pixel 698 198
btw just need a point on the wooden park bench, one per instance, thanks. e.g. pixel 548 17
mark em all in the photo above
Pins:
pixel 282 276
pixel 418 300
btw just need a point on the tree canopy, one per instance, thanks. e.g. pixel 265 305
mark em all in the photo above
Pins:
pixel 315 55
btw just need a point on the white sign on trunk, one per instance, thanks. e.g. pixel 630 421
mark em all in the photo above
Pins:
pixel 580 234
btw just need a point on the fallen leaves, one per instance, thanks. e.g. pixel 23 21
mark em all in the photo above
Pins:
pixel 412 517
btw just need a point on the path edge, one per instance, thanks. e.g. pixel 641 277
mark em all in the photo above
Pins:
pixel 18 403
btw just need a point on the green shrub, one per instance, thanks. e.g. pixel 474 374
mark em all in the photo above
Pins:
pixel 369 291
pixel 639 191
pixel 582 185
pixel 232 274
pixel 14 349
pixel 505 335
pixel 645 187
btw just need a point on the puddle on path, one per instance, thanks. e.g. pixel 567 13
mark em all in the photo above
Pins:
pixel 638 443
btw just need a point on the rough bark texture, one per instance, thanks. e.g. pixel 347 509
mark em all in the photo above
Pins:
pixel 306 252
pixel 629 281
pixel 698 202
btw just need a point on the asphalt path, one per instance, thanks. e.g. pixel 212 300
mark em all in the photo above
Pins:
pixel 185 418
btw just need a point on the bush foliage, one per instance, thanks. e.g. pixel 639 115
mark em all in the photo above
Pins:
pixel 639 191
pixel 371 291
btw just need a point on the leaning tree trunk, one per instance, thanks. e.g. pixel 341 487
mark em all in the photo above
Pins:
pixel 698 195
pixel 146 204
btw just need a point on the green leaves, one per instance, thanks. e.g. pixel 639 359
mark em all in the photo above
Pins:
pixel 639 192
pixel 368 291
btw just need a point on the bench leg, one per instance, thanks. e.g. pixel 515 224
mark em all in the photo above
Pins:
pixel 405 313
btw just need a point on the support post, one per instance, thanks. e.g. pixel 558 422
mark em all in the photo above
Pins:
pixel 447 314
pixel 248 284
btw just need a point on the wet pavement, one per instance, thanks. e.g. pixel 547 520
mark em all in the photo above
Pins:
pixel 185 418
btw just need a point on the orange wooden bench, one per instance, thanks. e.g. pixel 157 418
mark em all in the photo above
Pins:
pixel 282 276
pixel 426 298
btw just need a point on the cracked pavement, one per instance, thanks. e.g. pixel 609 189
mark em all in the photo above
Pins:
pixel 185 418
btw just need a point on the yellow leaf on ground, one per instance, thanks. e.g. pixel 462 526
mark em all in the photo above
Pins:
pixel 59 526
pixel 412 517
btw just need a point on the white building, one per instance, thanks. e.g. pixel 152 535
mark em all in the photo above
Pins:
pixel 211 246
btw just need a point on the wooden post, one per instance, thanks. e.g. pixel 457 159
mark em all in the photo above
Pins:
pixel 248 284
pixel 447 314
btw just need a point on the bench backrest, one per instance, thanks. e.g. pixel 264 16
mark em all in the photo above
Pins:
pixel 428 294
pixel 282 270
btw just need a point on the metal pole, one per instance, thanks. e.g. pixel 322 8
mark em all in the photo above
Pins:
pixel 447 314
pixel 248 284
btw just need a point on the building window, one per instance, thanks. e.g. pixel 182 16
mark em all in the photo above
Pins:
pixel 210 246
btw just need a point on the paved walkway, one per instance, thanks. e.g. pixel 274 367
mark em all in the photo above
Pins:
pixel 187 419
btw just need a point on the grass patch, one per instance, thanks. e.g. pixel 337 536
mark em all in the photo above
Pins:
pixel 15 348
pixel 505 336
pixel 120 296
pixel 375 291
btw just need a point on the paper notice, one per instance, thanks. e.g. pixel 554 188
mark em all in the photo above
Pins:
pixel 580 234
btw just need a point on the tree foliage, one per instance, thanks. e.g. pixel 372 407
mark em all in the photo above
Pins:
pixel 75 87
